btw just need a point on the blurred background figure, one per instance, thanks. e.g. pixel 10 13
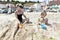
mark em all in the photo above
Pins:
pixel 9 9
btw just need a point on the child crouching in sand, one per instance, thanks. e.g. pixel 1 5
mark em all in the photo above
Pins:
pixel 43 21
pixel 43 24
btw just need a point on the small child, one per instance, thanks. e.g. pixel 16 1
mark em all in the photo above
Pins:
pixel 43 22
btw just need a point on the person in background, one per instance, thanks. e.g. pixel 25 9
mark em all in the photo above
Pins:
pixel 13 8
pixel 9 10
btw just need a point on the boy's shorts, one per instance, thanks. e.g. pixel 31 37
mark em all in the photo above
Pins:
pixel 43 26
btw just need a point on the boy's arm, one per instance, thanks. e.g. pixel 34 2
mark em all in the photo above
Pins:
pixel 46 22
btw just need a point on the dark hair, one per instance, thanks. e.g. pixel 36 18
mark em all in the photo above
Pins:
pixel 19 6
pixel 44 12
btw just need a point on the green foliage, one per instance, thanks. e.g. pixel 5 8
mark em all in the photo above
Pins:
pixel 15 2
pixel 7 0
pixel 37 1
pixel 25 1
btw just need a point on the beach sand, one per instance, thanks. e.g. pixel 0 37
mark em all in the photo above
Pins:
pixel 31 31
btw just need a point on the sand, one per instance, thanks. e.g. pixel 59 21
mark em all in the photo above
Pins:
pixel 8 26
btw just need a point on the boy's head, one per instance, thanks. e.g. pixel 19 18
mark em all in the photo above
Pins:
pixel 43 14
